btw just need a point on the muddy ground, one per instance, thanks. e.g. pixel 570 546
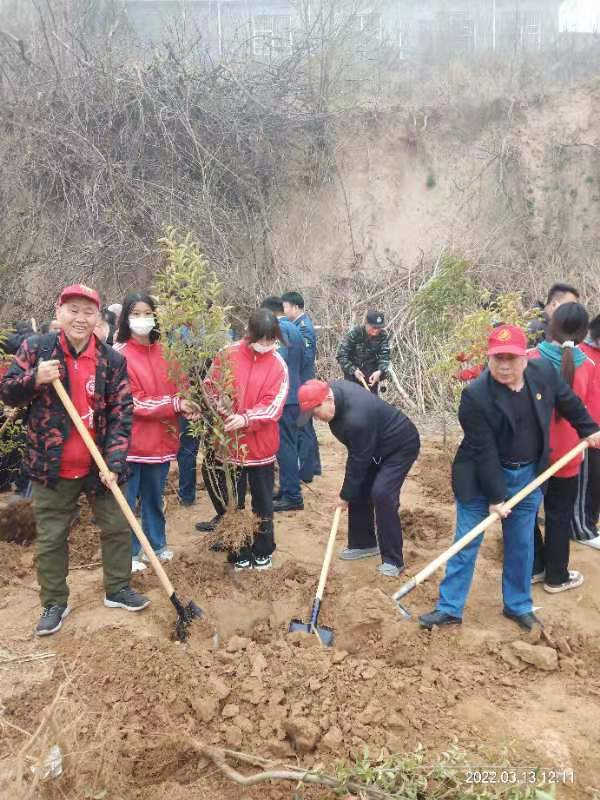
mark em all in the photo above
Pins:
pixel 131 699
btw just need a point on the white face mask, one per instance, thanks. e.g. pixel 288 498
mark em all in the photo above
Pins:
pixel 141 325
pixel 263 348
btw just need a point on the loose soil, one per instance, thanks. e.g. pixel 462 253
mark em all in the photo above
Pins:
pixel 132 698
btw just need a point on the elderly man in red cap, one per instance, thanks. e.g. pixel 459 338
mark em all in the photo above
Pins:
pixel 382 446
pixel 505 415
pixel 56 458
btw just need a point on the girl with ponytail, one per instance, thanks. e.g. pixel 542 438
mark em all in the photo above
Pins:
pixel 568 327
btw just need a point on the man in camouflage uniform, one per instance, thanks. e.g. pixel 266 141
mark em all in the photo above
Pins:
pixel 56 459
pixel 364 353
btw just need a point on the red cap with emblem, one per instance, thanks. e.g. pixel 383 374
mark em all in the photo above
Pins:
pixel 79 290
pixel 507 339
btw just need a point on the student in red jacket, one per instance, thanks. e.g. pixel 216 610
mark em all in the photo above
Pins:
pixel 260 385
pixel 568 327
pixel 587 505
pixel 156 407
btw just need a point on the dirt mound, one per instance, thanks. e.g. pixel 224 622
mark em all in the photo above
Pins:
pixel 17 523
pixel 134 698
pixel 426 528
pixel 15 562
pixel 433 472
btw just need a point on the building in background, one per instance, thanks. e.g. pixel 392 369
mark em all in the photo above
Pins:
pixel 269 29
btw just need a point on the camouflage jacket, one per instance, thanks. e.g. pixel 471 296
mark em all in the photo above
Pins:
pixel 358 350
pixel 48 424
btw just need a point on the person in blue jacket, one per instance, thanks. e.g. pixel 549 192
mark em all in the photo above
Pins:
pixel 293 351
pixel 308 446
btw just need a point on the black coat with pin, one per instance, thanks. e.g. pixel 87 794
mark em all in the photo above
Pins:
pixel 487 421
pixel 382 445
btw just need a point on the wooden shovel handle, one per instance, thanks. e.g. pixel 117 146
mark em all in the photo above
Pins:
pixel 364 383
pixel 112 485
pixel 329 553
pixel 490 519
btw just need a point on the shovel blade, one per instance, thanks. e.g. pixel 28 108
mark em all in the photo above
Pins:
pixel 324 633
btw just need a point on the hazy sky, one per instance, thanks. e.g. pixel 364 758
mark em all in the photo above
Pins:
pixel 582 16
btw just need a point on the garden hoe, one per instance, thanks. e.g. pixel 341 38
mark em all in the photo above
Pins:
pixel 185 614
pixel 324 633
pixel 483 525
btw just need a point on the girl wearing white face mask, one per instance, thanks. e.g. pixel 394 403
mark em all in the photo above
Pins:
pixel 156 406
pixel 260 387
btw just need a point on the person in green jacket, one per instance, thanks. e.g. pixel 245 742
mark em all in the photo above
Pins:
pixel 364 353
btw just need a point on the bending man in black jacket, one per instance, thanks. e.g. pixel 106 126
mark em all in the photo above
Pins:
pixel 505 415
pixel 382 446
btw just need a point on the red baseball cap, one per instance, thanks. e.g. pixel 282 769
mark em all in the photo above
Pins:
pixel 507 339
pixel 79 290
pixel 310 395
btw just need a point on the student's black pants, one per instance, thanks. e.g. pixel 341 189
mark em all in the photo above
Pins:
pixel 552 552
pixel 261 480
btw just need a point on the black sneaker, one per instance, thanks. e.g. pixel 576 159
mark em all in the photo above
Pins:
pixel 242 565
pixel 288 505
pixel 126 598
pixel 262 562
pixel 438 618
pixel 51 620
pixel 526 621
pixel 208 527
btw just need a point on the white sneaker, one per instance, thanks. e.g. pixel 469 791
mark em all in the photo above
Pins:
pixel 575 580
pixel 595 542
pixel 137 565
pixel 539 577
pixel 163 555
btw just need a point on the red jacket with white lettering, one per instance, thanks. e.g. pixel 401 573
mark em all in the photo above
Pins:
pixel 593 406
pixel 260 387
pixel 155 435
pixel 563 436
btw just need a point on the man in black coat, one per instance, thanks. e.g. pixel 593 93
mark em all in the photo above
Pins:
pixel 382 446
pixel 505 415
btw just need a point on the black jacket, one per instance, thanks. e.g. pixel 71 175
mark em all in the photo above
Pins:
pixel 358 350
pixel 370 429
pixel 486 419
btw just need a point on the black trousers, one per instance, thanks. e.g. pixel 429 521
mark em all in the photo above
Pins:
pixel 261 480
pixel 586 513
pixel 552 552
pixel 380 501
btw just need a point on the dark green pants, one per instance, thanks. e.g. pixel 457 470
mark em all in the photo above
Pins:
pixel 53 508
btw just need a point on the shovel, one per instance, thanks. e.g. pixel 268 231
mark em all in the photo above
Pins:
pixel 185 614
pixel 324 633
pixel 482 526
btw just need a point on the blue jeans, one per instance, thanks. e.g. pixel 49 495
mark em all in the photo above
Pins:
pixel 308 452
pixel 287 456
pixel 517 532
pixel 148 481
pixel 186 459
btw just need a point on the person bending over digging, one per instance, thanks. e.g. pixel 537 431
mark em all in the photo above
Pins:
pixel 505 415
pixel 259 379
pixel 56 458
pixel 382 446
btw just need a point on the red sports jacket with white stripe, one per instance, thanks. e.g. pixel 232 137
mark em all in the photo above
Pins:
pixel 155 435
pixel 260 387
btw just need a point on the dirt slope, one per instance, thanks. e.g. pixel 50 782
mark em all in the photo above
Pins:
pixel 132 696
